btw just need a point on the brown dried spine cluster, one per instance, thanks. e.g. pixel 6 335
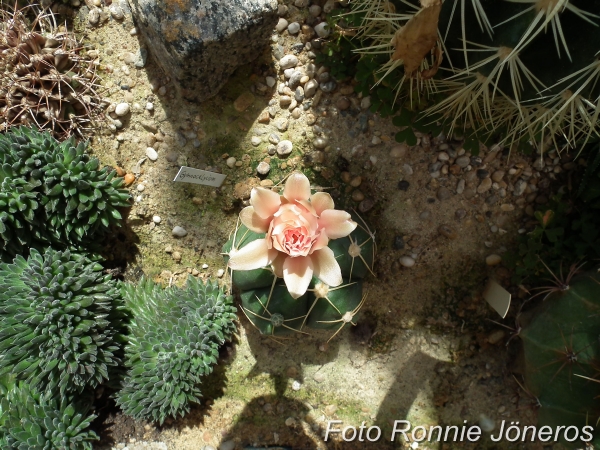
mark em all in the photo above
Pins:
pixel 45 79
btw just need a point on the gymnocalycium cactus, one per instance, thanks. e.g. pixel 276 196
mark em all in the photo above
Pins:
pixel 174 339
pixel 562 353
pixel 59 316
pixel 53 193
pixel 33 420
pixel 321 254
pixel 523 70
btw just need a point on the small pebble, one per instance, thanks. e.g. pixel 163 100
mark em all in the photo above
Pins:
pixel 281 25
pixel 220 273
pixel 141 187
pixel 288 61
pixel 255 141
pixel 322 30
pixel 493 260
pixel 448 232
pixel 227 445
pixel 403 185
pixel 116 12
pixel 263 168
pixel 151 154
pixel 230 162
pixel 129 179
pixel 293 28
pixel 156 219
pixel 122 109
pixel 176 256
pixel 407 261
pixel 357 195
pixel 179 231
pixel 296 385
pixel 284 148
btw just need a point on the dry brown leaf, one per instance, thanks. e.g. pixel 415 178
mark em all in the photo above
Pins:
pixel 415 40
pixel 438 56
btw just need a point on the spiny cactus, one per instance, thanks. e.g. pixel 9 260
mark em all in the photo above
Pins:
pixel 562 352
pixel 59 315
pixel 520 70
pixel 268 305
pixel 174 339
pixel 46 81
pixel 53 193
pixel 30 419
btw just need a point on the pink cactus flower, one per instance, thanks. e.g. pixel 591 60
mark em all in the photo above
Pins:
pixel 298 226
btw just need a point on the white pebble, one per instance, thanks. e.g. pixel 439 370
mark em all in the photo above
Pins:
pixel 205 266
pixel 293 28
pixel 407 261
pixel 141 187
pixel 231 162
pixel 133 31
pixel 150 106
pixel 288 61
pixel 296 385
pixel 322 30
pixel 270 81
pixel 151 154
pixel 122 109
pixel 220 273
pixel 179 231
pixel 156 219
pixel 282 24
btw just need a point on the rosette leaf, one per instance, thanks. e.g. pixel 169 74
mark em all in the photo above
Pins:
pixel 58 321
pixel 30 419
pixel 174 339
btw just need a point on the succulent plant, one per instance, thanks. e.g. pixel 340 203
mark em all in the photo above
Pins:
pixel 30 419
pixel 45 79
pixel 59 317
pixel 517 70
pixel 60 194
pixel 174 339
pixel 327 293
pixel 562 352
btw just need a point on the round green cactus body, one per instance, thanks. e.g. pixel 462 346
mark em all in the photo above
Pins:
pixel 174 340
pixel 268 305
pixel 58 321
pixel 562 354
pixel 273 311
pixel 333 307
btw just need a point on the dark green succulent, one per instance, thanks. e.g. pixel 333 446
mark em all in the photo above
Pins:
pixel 30 419
pixel 70 199
pixel 59 317
pixel 174 339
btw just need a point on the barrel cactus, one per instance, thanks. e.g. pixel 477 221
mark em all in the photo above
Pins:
pixel 174 340
pixel 562 353
pixel 321 254
pixel 53 193
pixel 515 70
pixel 60 317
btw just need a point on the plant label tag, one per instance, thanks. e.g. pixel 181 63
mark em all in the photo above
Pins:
pixel 197 176
pixel 497 297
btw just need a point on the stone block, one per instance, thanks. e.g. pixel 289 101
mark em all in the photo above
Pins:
pixel 200 43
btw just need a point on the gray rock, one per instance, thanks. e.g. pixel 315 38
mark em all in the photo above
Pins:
pixel 116 12
pixel 295 79
pixel 299 94
pixel 284 148
pixel 520 187
pixel 281 25
pixel 322 30
pixel 310 88
pixel 462 161
pixel 202 44
pixel 293 28
pixel 288 61
pixel 263 168
pixel 179 231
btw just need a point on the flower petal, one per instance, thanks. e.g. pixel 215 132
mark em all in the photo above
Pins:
pixel 337 223
pixel 265 202
pixel 277 264
pixel 321 241
pixel 321 201
pixel 253 221
pixel 297 273
pixel 326 268
pixel 253 256
pixel 297 187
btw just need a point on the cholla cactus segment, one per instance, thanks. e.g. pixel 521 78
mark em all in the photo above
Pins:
pixel 68 200
pixel 247 279
pixel 58 320
pixel 46 81
pixel 273 311
pixel 30 419
pixel 174 339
